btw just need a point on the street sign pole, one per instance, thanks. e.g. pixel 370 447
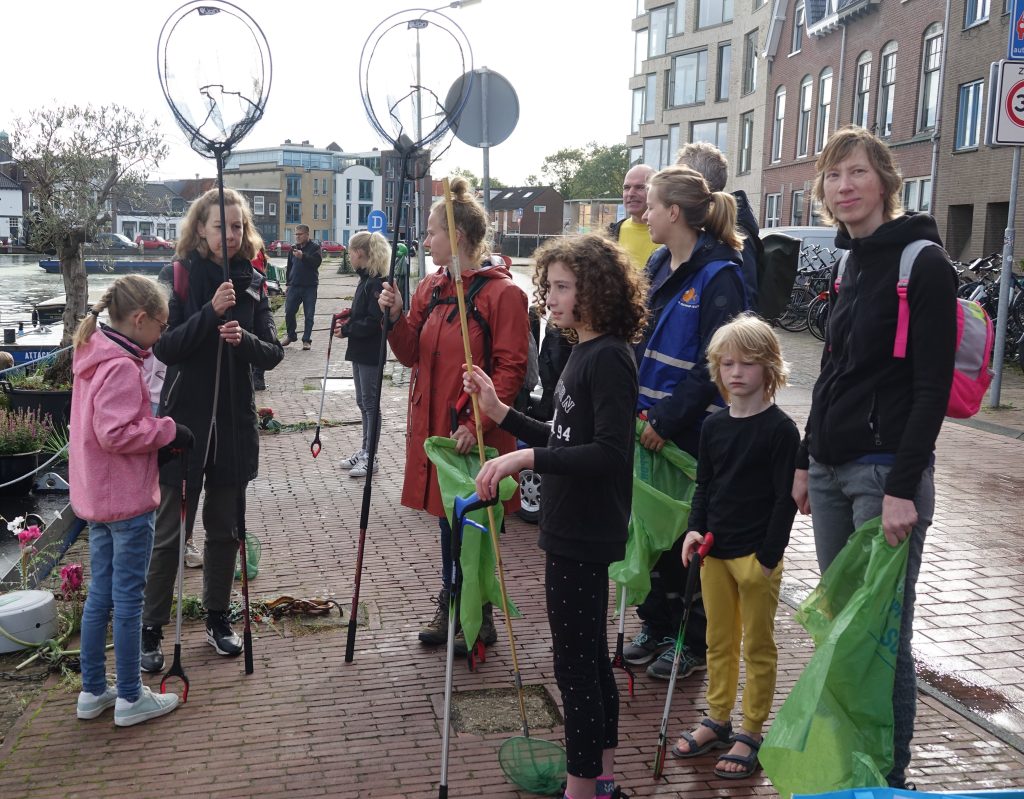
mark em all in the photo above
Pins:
pixel 1005 281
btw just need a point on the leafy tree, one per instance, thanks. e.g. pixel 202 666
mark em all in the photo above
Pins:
pixel 474 181
pixel 592 171
pixel 77 160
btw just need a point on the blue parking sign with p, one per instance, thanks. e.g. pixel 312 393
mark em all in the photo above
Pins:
pixel 1015 48
pixel 376 222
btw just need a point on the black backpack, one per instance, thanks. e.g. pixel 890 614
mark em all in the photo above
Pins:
pixel 777 261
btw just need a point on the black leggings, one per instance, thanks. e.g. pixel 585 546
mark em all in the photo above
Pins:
pixel 577 595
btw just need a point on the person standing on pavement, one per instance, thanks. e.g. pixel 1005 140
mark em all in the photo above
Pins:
pixel 586 456
pixel 370 256
pixel 113 474
pixel 631 232
pixel 869 444
pixel 429 339
pixel 713 165
pixel 301 277
pixel 200 301
pixel 696 286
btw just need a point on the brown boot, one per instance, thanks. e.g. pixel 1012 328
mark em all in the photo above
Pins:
pixel 488 633
pixel 435 632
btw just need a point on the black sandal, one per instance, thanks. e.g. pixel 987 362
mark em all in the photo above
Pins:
pixel 722 739
pixel 749 762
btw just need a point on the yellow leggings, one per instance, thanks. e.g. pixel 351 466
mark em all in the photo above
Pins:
pixel 740 603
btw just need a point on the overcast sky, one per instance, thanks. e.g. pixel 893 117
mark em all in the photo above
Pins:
pixel 568 60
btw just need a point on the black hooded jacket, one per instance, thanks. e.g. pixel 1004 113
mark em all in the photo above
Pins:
pixel 866 402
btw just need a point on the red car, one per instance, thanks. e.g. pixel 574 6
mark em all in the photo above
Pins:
pixel 153 242
pixel 332 247
pixel 278 247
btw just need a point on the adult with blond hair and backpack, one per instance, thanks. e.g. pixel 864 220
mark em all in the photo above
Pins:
pixel 875 416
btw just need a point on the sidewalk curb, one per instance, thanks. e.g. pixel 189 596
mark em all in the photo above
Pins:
pixel 990 427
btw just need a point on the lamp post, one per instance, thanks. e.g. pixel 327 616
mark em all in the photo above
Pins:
pixel 418 25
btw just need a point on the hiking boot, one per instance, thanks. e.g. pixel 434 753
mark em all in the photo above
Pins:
pixel 91 705
pixel 645 647
pixel 306 345
pixel 352 460
pixel 488 633
pixel 220 635
pixel 360 469
pixel 147 706
pixel 152 656
pixel 288 342
pixel 436 631
pixel 689 662
pixel 193 555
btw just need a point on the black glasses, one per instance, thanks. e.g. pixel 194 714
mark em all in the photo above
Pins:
pixel 163 325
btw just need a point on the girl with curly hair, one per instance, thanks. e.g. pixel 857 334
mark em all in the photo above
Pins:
pixel 592 292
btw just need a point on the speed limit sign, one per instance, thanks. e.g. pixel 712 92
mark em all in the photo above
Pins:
pixel 1007 123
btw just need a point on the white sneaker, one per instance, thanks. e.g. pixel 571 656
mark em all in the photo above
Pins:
pixel 352 460
pixel 91 705
pixel 359 470
pixel 193 555
pixel 147 706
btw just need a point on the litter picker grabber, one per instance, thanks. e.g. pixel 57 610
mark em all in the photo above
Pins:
pixel 618 662
pixel 176 670
pixel 336 319
pixel 462 507
pixel 692 578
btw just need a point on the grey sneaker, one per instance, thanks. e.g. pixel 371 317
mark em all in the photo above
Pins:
pixel 91 705
pixel 646 647
pixel 359 470
pixel 193 555
pixel 352 460
pixel 435 632
pixel 147 706
pixel 152 656
pixel 689 662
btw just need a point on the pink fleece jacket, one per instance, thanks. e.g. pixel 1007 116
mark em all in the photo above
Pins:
pixel 114 435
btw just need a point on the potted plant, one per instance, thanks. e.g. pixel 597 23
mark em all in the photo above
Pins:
pixel 36 390
pixel 22 436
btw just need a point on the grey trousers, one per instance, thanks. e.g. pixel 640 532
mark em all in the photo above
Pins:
pixel 842 499
pixel 220 513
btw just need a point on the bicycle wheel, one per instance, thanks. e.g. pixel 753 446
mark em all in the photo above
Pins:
pixel 794 317
pixel 817 317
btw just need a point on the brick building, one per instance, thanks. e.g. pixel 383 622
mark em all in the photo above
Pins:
pixel 874 63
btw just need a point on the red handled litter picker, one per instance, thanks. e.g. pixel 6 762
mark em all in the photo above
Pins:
pixel 176 670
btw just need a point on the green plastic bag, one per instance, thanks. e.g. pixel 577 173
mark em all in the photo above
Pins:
pixel 455 477
pixel 253 551
pixel 835 729
pixel 663 484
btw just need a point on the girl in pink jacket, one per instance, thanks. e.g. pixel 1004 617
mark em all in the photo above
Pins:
pixel 113 469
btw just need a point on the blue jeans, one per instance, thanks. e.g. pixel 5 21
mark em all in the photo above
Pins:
pixel 842 499
pixel 119 560
pixel 365 377
pixel 306 297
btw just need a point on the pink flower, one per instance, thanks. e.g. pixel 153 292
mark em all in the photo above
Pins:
pixel 28 535
pixel 71 579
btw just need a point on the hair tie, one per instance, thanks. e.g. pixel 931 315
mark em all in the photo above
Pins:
pixel 95 313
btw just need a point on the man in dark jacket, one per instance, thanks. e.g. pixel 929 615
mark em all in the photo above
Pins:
pixel 709 161
pixel 302 276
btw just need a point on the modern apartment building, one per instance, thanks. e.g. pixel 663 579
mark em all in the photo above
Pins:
pixel 699 75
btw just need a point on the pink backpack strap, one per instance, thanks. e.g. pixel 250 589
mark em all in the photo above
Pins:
pixel 907 259
pixel 840 268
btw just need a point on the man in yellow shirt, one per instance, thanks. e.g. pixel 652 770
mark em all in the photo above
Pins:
pixel 631 232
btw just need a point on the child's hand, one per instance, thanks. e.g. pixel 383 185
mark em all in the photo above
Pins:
pixel 390 301
pixel 231 332
pixel 492 471
pixel 464 440
pixel 223 298
pixel 690 544
pixel 480 384
pixel 800 495
pixel 767 572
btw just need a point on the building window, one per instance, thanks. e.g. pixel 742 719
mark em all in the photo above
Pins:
pixel 323 211
pixel 638 110
pixel 316 211
pixel 348 214
pixel 271 209
pixel 824 109
pixel 746 142
pixel 778 123
pixel 295 185
pixel 772 210
pixel 714 131
pixel 649 94
pixel 673 143
pixel 316 185
pixel 975 11
pixel 930 56
pixel 798 30
pixel 713 12
pixel 172 232
pixel 680 16
pixel 750 62
pixel 724 60
pixel 365 191
pixel 656 151
pixel 968 114
pixel 862 89
pixel 348 186
pixel 257 205
pixel 689 78
pixel 636 155
pixel 917 194
pixel 293 213
pixel 364 213
pixel 803 120
pixel 641 51
pixel 887 89
pixel 796 214
pixel 660 29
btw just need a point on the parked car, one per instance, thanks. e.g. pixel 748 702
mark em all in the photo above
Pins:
pixel 278 247
pixel 150 242
pixel 332 247
pixel 113 241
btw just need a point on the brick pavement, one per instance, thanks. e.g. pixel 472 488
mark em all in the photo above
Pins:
pixel 307 724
